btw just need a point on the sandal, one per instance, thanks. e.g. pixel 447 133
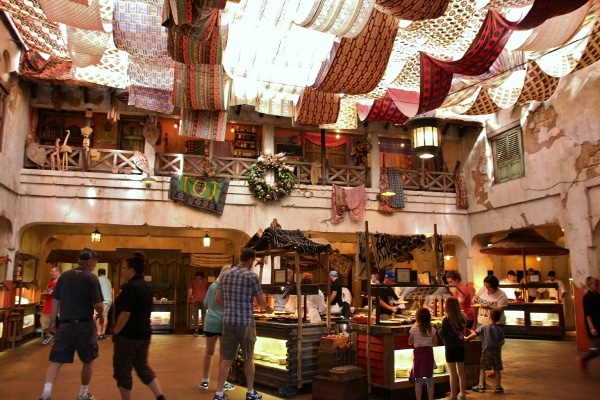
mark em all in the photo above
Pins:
pixel 478 388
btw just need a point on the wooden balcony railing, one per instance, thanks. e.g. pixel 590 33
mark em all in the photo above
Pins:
pixel 121 161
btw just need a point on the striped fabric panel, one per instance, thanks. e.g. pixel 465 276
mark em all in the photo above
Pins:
pixel 200 44
pixel 203 124
pixel 200 87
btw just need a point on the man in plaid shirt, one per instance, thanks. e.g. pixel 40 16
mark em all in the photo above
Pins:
pixel 237 290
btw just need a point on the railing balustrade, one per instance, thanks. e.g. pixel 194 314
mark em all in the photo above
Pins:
pixel 122 161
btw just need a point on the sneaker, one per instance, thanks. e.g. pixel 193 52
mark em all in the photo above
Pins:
pixel 253 396
pixel 47 339
pixel 203 386
pixel 582 365
pixel 478 388
pixel 499 389
pixel 228 386
pixel 88 396
pixel 44 398
pixel 224 397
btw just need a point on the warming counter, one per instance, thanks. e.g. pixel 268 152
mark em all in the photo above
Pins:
pixel 276 355
pixel 391 356
pixel 538 320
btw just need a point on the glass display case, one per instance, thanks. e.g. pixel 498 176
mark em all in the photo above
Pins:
pixel 543 320
pixel 271 352
pixel 162 316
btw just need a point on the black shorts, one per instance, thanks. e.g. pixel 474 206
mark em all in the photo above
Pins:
pixel 211 334
pixel 74 337
pixel 455 354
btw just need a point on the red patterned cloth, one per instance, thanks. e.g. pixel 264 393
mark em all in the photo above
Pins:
pixel 317 108
pixel 33 65
pixel 196 44
pixel 385 110
pixel 366 56
pixel 413 10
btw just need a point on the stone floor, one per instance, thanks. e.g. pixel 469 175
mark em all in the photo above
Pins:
pixel 534 369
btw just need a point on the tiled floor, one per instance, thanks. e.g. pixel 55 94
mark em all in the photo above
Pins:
pixel 534 369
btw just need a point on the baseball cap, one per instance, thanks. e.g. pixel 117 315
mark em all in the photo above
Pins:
pixel 87 254
pixel 390 275
pixel 333 273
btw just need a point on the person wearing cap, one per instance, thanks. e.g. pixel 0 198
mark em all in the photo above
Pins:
pixel 554 294
pixel 77 294
pixel 511 279
pixel 336 299
pixel 387 306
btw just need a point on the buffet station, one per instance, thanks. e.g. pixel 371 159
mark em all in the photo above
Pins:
pixel 382 344
pixel 542 319
pixel 162 316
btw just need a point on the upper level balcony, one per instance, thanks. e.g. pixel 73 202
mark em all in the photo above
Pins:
pixel 234 168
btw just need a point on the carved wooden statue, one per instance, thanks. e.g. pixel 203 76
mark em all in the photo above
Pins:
pixel 64 151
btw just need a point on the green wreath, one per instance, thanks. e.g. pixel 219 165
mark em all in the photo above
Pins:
pixel 284 179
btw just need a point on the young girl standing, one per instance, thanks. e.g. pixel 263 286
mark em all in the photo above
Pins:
pixel 452 332
pixel 423 336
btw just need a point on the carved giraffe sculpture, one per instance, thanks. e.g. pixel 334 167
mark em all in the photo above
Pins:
pixel 55 156
pixel 64 151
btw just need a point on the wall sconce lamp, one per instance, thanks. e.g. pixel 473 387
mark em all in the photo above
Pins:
pixel 449 251
pixel 538 258
pixel 386 192
pixel 206 240
pixel 148 181
pixel 96 236
pixel 426 135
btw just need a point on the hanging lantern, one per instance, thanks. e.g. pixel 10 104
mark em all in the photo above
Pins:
pixel 96 236
pixel 206 240
pixel 426 136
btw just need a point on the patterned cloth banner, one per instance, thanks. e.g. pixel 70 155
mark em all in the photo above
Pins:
pixel 200 87
pixel 412 10
pixel 346 117
pixel 111 71
pixel 395 176
pixel 366 55
pixel 86 47
pixel 198 44
pixel 205 194
pixel 151 99
pixel 385 110
pixel 76 15
pixel 138 30
pixel 188 12
pixel 288 239
pixel 360 259
pixel 151 75
pixel 37 33
pixel 33 65
pixel 316 108
pixel 203 124
pixel 210 260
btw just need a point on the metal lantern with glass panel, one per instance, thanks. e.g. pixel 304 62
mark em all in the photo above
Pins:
pixel 426 135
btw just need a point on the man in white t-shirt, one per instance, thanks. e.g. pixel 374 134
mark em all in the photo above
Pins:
pixel 552 292
pixel 511 279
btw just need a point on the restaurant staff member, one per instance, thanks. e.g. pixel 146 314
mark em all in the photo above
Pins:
pixel 387 305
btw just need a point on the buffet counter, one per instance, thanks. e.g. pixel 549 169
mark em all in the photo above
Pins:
pixel 277 350
pixel 538 320
pixel 391 356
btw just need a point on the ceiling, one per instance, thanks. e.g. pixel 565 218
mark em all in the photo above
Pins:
pixel 326 63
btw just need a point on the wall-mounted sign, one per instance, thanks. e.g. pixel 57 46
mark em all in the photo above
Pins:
pixel 105 137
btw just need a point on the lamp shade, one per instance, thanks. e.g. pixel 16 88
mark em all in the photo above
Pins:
pixel 206 240
pixel 96 236
pixel 449 251
pixel 426 135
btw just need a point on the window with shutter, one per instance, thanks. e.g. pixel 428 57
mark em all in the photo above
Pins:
pixel 508 155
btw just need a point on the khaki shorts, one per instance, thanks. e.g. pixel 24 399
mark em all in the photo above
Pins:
pixel 236 336
pixel 45 320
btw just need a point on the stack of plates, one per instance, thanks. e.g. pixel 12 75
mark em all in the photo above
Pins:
pixel 537 322
pixel 553 322
pixel 520 321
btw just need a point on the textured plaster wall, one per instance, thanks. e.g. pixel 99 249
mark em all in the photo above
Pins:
pixel 562 153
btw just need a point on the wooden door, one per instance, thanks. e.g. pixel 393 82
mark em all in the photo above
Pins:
pixel 335 155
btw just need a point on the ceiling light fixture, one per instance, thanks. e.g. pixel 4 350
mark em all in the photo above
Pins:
pixel 206 240
pixel 96 236
pixel 426 136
